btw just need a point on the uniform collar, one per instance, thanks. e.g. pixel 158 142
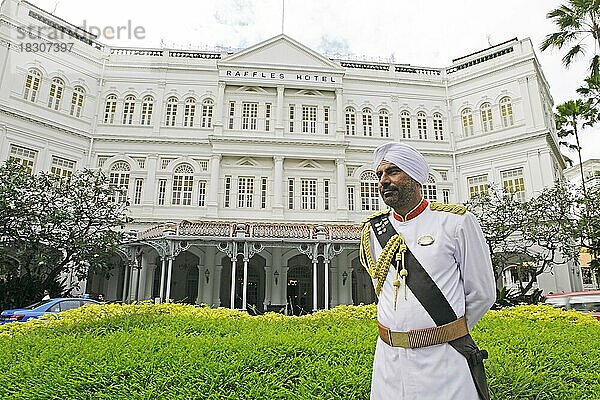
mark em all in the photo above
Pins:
pixel 412 213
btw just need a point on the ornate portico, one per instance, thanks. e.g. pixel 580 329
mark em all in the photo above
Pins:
pixel 253 266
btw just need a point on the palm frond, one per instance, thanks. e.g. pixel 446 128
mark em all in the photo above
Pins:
pixel 576 50
pixel 558 39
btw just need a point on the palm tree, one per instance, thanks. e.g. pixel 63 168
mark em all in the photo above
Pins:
pixel 569 116
pixel 576 20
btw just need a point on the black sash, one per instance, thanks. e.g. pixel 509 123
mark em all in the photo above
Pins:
pixel 435 303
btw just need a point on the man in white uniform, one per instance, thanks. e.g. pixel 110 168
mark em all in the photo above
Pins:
pixel 432 273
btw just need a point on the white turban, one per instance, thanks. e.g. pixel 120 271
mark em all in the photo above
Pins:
pixel 405 157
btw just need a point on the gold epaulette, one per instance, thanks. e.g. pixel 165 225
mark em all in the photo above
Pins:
pixel 377 214
pixel 453 208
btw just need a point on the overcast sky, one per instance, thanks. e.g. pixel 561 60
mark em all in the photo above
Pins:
pixel 423 33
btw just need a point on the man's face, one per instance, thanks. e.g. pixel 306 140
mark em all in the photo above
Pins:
pixel 395 186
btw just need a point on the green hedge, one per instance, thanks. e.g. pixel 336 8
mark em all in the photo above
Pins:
pixel 146 351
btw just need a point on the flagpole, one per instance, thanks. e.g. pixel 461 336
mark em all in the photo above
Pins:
pixel 282 15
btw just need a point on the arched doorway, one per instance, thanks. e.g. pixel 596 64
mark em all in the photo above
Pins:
pixel 299 285
pixel 184 280
pixel 362 285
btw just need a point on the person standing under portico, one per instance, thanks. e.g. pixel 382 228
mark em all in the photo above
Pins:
pixel 432 273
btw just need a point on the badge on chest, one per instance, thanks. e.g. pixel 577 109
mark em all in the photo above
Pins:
pixel 425 240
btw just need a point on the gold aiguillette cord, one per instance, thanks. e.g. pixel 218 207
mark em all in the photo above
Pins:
pixel 403 273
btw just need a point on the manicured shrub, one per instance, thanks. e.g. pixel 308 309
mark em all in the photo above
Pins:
pixel 148 351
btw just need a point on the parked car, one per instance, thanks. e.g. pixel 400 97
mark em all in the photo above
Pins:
pixel 588 302
pixel 44 307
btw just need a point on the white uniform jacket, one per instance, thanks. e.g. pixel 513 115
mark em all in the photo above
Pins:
pixel 459 263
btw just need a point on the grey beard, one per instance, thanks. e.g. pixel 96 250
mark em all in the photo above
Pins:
pixel 402 195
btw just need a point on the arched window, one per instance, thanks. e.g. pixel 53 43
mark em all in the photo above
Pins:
pixel 32 84
pixel 422 125
pixel 171 114
pixel 110 109
pixel 183 183
pixel 437 126
pixel 350 121
pixel 467 122
pixel 405 124
pixel 506 112
pixel 147 108
pixel 189 111
pixel 56 90
pixel 369 195
pixel 430 189
pixel 128 109
pixel 77 101
pixel 486 117
pixel 367 122
pixel 207 113
pixel 384 123
pixel 119 180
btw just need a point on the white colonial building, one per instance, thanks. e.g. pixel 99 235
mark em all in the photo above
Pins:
pixel 256 165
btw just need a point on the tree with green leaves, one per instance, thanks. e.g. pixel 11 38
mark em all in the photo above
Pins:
pixel 571 117
pixel 530 236
pixel 51 226
pixel 577 21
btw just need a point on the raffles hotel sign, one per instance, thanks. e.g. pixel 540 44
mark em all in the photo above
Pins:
pixel 237 74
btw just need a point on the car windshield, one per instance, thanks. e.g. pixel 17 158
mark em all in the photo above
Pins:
pixel 36 305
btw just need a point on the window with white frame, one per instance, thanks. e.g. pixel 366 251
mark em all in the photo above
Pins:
pixel 350 121
pixel 110 108
pixel 291 193
pixel 384 123
pixel 147 108
pixel 162 191
pixel 227 192
pixel 207 113
pixel 32 84
pixel 367 122
pixel 231 115
pixel 437 126
pixel 119 180
pixel 486 117
pixel 478 185
pixel 267 117
pixel 77 101
pixel 422 125
pixel 245 191
pixel 292 116
pixel 513 182
pixel 467 122
pixel 171 114
pixel 189 111
pixel 263 192
pixel 506 112
pixel 405 124
pixel 325 120
pixel 56 91
pixel 61 167
pixel 430 189
pixel 308 194
pixel 137 191
pixel 23 156
pixel 201 193
pixel 350 191
pixel 369 194
pixel 249 116
pixel 326 194
pixel 183 184
pixel 309 119
pixel 128 109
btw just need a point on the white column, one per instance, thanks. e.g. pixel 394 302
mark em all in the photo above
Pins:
pixel 245 287
pixel 141 293
pixel 213 185
pixel 339 108
pixel 126 282
pixel 201 284
pixel 278 185
pixel 216 285
pixel 169 272
pixel 341 184
pixel 326 262
pixel 233 265
pixel 315 289
pixel 162 280
pixel 279 126
pixel 268 286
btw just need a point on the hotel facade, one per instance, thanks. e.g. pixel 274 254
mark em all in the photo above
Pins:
pixel 247 172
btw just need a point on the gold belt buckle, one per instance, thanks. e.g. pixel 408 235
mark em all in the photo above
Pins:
pixel 399 339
